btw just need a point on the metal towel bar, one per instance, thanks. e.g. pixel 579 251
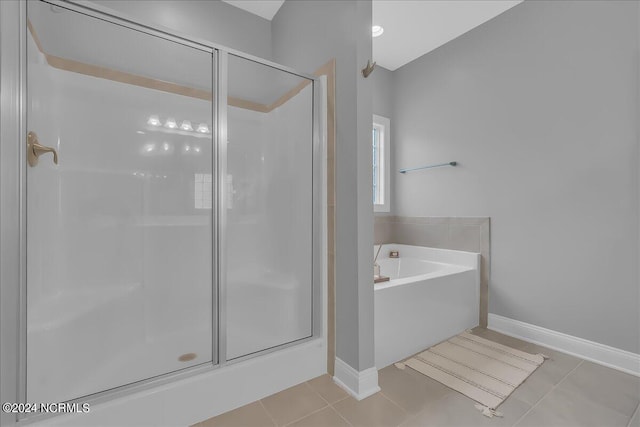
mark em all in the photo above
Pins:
pixel 428 167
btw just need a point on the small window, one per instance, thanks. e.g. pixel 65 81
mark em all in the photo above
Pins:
pixel 203 191
pixel 381 164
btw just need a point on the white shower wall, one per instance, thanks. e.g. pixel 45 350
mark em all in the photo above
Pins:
pixel 193 399
pixel 119 259
pixel 269 223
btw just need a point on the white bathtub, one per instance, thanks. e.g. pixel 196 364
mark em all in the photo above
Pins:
pixel 433 294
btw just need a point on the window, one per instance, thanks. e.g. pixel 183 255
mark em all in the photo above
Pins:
pixel 203 190
pixel 381 164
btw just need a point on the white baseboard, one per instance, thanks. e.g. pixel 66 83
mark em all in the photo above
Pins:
pixel 359 384
pixel 601 354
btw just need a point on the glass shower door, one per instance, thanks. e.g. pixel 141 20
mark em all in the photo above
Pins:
pixel 119 205
pixel 269 208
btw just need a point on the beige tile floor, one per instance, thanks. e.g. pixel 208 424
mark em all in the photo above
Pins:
pixel 564 391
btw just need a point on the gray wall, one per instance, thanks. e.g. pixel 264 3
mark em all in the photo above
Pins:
pixel 11 249
pixel 212 20
pixel 382 91
pixel 305 35
pixel 540 108
pixel 638 141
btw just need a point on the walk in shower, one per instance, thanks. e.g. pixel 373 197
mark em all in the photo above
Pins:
pixel 171 199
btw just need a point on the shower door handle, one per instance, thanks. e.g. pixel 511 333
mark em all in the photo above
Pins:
pixel 35 149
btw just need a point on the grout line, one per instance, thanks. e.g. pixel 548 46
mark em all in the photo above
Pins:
pixel 634 414
pixel 341 399
pixel 306 415
pixel 392 401
pixel 326 404
pixel 314 390
pixel 547 393
pixel 340 415
pixel 268 413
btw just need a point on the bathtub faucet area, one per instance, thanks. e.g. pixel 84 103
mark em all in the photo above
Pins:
pixel 429 295
pixel 377 278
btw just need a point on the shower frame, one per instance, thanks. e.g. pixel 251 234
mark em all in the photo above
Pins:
pixel 13 168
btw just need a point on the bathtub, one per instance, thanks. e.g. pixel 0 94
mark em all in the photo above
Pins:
pixel 433 294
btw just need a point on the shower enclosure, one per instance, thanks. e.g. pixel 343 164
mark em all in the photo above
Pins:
pixel 171 199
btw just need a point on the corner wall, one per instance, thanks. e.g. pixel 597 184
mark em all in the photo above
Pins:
pixel 638 148
pixel 305 35
pixel 540 108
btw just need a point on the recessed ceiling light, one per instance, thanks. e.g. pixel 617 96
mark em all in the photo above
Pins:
pixel 154 121
pixel 171 123
pixel 186 125
pixel 377 30
pixel 203 128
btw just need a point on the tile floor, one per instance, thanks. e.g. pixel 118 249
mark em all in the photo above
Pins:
pixel 564 391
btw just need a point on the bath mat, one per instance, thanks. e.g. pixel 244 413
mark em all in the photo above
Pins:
pixel 483 370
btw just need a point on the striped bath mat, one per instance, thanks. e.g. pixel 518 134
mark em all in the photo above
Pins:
pixel 483 370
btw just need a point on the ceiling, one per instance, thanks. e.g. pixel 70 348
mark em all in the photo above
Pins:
pixel 411 27
pixel 266 9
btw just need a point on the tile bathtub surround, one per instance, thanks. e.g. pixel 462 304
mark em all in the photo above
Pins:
pixel 472 234
pixel 564 391
pixel 329 70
